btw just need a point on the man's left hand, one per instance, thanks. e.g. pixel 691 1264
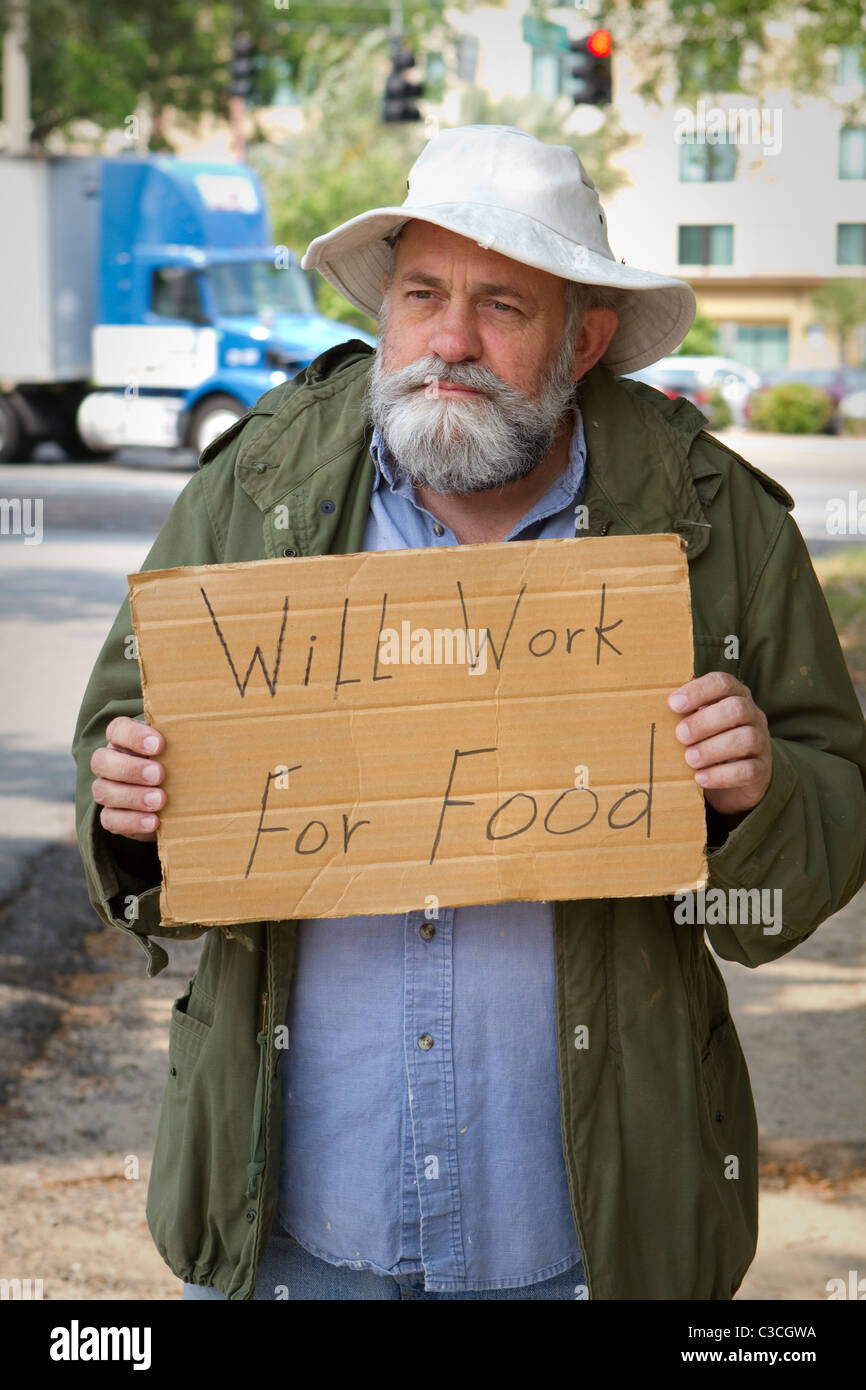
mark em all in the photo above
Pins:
pixel 728 741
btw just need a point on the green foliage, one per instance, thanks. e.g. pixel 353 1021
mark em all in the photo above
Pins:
pixel 702 339
pixel 348 161
pixel 97 60
pixel 793 408
pixel 735 45
pixel 840 307
pixel 842 573
pixel 718 410
pixel 101 60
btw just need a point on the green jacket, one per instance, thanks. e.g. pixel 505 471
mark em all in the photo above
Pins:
pixel 655 1107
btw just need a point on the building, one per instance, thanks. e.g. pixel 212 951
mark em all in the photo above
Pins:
pixel 756 207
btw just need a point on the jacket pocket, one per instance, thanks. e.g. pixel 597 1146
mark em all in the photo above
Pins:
pixel 185 1034
pixel 195 1004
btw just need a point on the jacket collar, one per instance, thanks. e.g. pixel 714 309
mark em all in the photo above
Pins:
pixel 314 449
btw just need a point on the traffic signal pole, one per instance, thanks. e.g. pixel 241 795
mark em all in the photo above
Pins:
pixel 400 94
pixel 243 50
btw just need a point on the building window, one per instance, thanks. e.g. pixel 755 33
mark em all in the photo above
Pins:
pixel 851 243
pixel 709 245
pixel 702 162
pixel 852 152
pixel 546 77
pixel 851 70
pixel 762 346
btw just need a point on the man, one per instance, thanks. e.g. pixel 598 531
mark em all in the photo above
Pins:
pixel 433 1130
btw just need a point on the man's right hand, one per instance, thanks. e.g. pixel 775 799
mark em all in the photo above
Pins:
pixel 126 785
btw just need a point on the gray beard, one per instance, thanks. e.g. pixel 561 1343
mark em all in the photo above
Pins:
pixel 453 445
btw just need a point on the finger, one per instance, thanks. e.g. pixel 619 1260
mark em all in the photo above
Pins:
pixel 134 735
pixel 747 741
pixel 118 766
pixel 122 795
pixel 705 690
pixel 731 713
pixel 128 823
pixel 745 772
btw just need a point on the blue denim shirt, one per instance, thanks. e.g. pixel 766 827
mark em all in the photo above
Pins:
pixel 402 1156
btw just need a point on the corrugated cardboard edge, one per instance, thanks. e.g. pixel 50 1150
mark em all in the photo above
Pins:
pixel 148 575
pixel 164 921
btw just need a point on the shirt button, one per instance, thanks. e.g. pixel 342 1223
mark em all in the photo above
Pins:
pixel 438 528
pixel 427 931
pixel 425 1042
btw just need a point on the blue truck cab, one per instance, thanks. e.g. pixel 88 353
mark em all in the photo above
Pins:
pixel 144 303
pixel 199 312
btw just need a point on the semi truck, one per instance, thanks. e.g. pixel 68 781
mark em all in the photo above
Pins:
pixel 143 303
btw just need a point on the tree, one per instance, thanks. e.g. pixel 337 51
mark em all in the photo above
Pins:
pixel 840 307
pixel 97 60
pixel 347 160
pixel 102 60
pixel 702 339
pixel 737 45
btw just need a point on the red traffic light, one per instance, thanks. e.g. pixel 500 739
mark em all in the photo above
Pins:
pixel 600 43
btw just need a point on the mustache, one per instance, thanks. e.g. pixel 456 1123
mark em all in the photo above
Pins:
pixel 425 369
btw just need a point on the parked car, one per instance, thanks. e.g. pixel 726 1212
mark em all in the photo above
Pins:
pixel 852 413
pixel 835 382
pixel 697 378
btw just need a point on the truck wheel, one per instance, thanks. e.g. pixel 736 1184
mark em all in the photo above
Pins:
pixel 213 416
pixel 77 451
pixel 15 443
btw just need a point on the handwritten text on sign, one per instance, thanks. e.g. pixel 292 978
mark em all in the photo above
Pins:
pixel 372 733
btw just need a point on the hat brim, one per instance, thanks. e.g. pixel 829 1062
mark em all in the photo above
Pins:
pixel 655 313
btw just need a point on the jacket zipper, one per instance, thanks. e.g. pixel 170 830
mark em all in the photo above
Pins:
pixel 257 1153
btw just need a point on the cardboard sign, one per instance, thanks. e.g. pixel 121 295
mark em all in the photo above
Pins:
pixel 410 729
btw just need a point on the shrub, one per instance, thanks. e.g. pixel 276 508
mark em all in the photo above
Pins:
pixel 793 408
pixel 852 414
pixel 718 410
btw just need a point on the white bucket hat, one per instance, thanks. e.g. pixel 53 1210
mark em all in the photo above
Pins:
pixel 535 203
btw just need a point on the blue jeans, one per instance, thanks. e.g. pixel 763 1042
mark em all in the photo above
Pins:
pixel 287 1270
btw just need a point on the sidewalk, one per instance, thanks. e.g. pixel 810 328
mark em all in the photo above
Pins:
pixel 802 1023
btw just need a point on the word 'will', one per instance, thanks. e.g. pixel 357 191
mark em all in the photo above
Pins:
pixel 385 647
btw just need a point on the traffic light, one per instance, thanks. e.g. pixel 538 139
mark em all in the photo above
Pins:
pixel 243 63
pixel 401 95
pixel 591 68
